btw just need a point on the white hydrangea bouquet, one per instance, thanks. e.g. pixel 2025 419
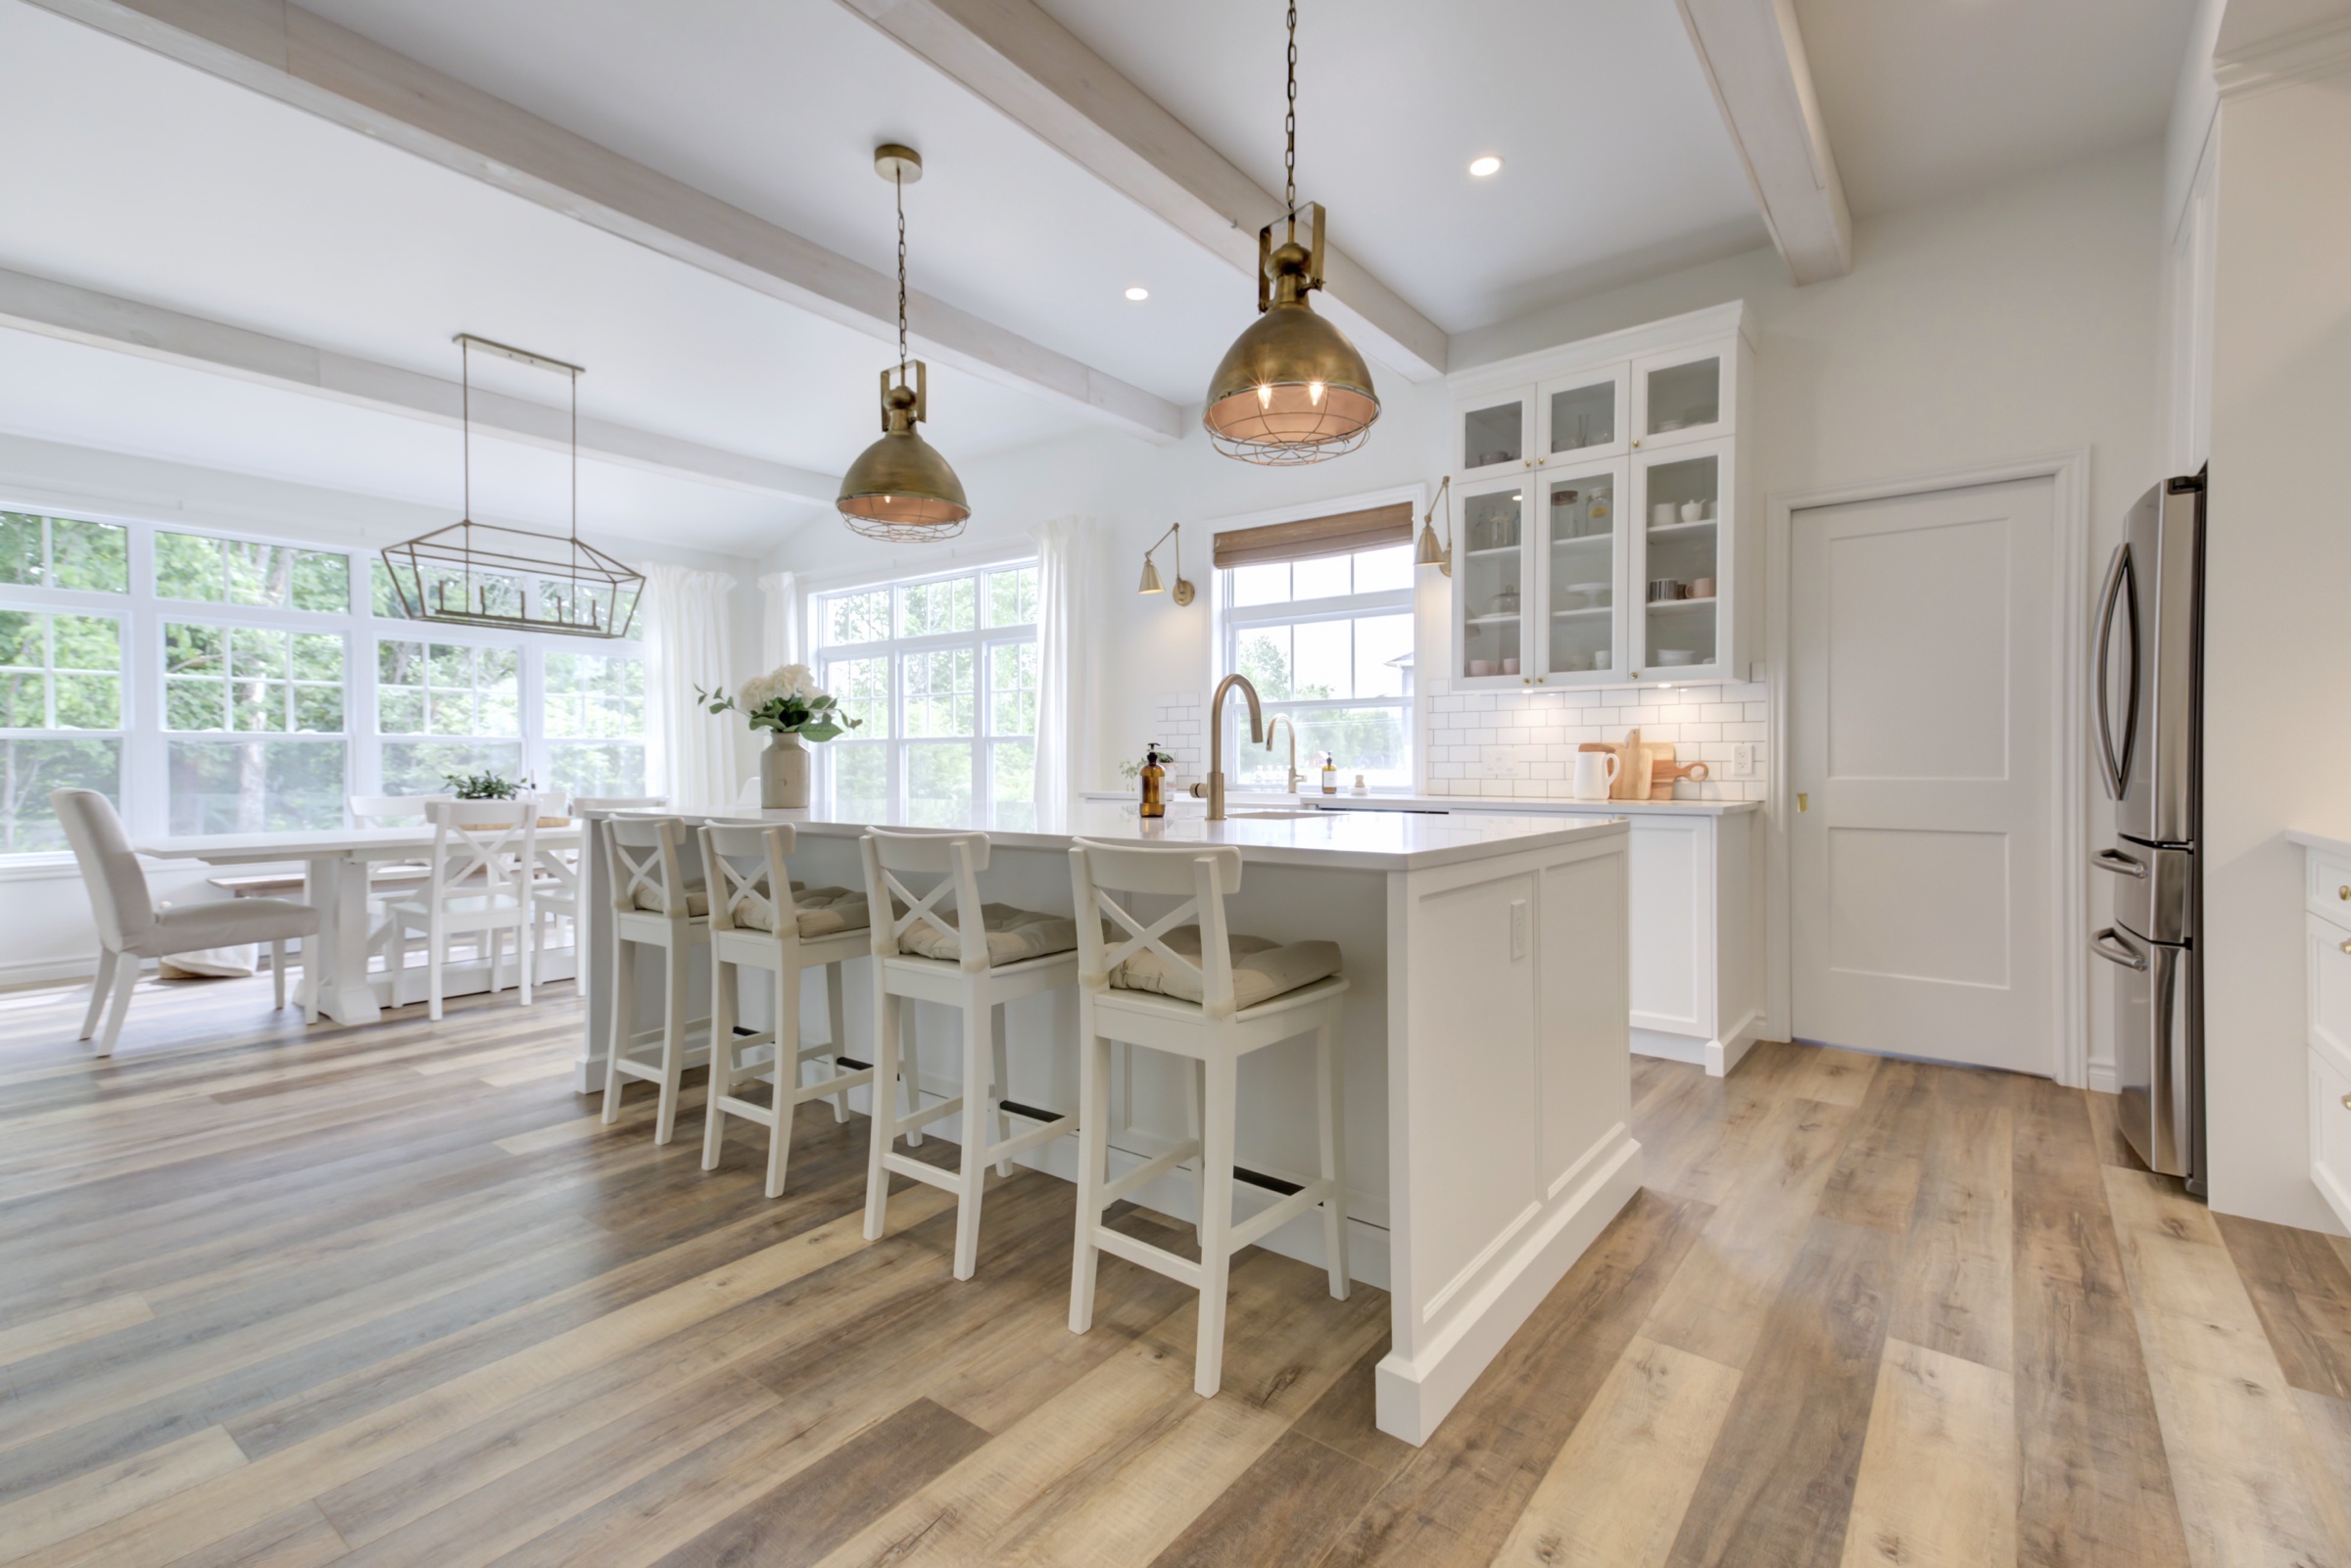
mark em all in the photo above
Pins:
pixel 785 701
pixel 792 708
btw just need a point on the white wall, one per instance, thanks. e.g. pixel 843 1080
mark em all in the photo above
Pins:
pixel 2277 662
pixel 45 928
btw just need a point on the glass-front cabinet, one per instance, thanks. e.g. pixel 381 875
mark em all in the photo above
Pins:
pixel 1597 511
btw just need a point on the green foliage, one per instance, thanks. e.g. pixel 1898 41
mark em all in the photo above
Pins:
pixel 484 785
pixel 815 718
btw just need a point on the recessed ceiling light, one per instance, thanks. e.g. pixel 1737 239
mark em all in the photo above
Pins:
pixel 1485 167
pixel 1138 294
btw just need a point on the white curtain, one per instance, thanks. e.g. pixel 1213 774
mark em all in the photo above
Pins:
pixel 690 751
pixel 779 621
pixel 1065 595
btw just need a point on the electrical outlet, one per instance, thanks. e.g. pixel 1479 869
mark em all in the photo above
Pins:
pixel 1742 760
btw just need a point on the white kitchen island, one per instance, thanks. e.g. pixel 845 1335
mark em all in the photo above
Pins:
pixel 1488 1076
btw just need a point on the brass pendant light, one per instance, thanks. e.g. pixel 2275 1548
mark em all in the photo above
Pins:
pixel 900 489
pixel 1291 389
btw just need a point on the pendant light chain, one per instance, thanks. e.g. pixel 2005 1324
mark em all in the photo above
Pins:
pixel 1289 130
pixel 898 180
pixel 465 416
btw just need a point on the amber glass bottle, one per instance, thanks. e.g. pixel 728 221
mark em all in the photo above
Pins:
pixel 1155 802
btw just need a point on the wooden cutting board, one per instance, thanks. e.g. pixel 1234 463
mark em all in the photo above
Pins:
pixel 1663 771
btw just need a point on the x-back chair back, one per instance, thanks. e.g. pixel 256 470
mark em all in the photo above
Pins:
pixel 645 858
pixel 746 869
pixel 951 864
pixel 494 840
pixel 1202 878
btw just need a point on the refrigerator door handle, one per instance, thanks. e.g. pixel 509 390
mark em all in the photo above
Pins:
pixel 2122 865
pixel 2109 945
pixel 2121 581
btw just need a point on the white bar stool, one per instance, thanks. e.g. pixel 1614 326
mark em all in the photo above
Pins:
pixel 761 920
pixel 655 903
pixel 1200 992
pixel 988 955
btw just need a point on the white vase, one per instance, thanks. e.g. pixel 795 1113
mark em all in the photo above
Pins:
pixel 784 774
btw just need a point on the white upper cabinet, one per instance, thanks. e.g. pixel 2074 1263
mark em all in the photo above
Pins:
pixel 1598 511
pixel 1684 394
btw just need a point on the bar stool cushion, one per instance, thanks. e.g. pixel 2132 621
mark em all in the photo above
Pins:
pixel 822 911
pixel 698 902
pixel 1014 934
pixel 1261 968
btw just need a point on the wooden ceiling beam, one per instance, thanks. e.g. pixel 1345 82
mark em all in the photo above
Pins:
pixel 1752 53
pixel 1017 58
pixel 303 59
pixel 129 326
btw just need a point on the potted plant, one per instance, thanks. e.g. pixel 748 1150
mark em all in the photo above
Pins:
pixel 788 705
pixel 485 785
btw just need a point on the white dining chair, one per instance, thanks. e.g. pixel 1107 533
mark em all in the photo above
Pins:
pixel 130 928
pixel 479 885
pixel 1200 992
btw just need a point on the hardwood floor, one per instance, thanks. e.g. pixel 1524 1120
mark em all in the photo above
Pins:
pixel 277 1298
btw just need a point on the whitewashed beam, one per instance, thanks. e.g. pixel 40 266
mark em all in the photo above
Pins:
pixel 1014 56
pixel 103 320
pixel 303 59
pixel 1754 54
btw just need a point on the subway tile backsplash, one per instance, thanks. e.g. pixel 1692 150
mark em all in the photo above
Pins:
pixel 1523 744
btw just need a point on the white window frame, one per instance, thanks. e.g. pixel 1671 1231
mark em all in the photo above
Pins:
pixel 1232 620
pixel 144 786
pixel 985 743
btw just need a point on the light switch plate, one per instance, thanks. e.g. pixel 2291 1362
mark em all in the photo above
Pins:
pixel 1742 760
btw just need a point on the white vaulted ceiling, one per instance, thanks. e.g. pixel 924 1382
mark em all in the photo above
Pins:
pixel 147 180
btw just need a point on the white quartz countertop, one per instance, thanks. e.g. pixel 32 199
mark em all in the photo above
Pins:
pixel 1371 840
pixel 1514 806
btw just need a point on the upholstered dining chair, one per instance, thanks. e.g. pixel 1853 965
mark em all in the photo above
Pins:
pixel 130 928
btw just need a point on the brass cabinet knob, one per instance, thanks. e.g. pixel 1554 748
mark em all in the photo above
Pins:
pixel 2347 947
pixel 2343 891
pixel 1636 442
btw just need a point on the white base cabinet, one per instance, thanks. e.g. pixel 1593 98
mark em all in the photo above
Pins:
pixel 2326 950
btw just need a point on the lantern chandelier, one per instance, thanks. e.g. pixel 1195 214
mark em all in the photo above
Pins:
pixel 900 489
pixel 1291 389
pixel 486 574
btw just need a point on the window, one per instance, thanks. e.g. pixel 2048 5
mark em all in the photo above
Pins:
pixel 941 673
pixel 208 684
pixel 594 723
pixel 61 719
pixel 1329 642
pixel 467 698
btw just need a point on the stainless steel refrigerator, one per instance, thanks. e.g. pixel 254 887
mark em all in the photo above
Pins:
pixel 2149 719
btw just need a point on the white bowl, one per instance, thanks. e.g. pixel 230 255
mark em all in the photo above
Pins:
pixel 1677 655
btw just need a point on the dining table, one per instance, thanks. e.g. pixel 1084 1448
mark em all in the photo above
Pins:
pixel 338 866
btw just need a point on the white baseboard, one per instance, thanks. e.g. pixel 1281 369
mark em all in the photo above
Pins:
pixel 2101 1078
pixel 1718 1057
pixel 1412 1397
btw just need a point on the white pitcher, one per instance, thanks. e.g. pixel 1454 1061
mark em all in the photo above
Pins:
pixel 1596 774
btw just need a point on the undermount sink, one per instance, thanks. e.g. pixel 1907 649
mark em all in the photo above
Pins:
pixel 1273 816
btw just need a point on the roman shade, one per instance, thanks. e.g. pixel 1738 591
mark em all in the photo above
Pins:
pixel 1340 534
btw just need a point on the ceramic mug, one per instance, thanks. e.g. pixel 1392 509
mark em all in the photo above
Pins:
pixel 1596 774
pixel 1481 667
pixel 1663 588
pixel 1694 512
pixel 1601 659
pixel 1700 587
pixel 1509 666
pixel 1660 516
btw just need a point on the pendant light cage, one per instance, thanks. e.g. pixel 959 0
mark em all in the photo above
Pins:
pixel 900 491
pixel 486 574
pixel 1291 389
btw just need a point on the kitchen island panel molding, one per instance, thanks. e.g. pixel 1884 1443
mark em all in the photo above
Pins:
pixel 1510 1147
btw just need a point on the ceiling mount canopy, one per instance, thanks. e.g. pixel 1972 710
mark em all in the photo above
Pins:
pixel 1291 389
pixel 900 489
pixel 486 574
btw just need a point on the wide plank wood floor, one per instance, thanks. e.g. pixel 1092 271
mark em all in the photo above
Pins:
pixel 394 1296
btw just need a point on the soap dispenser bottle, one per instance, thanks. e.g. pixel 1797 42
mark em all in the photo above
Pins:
pixel 1330 774
pixel 1154 777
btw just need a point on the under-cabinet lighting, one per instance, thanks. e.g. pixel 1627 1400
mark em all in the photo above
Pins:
pixel 1485 167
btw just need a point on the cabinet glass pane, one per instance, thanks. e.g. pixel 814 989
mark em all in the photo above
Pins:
pixel 1583 417
pixel 1493 435
pixel 1683 396
pixel 1581 537
pixel 1684 527
pixel 1491 579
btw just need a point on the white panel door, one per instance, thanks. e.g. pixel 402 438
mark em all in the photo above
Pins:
pixel 1921 698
